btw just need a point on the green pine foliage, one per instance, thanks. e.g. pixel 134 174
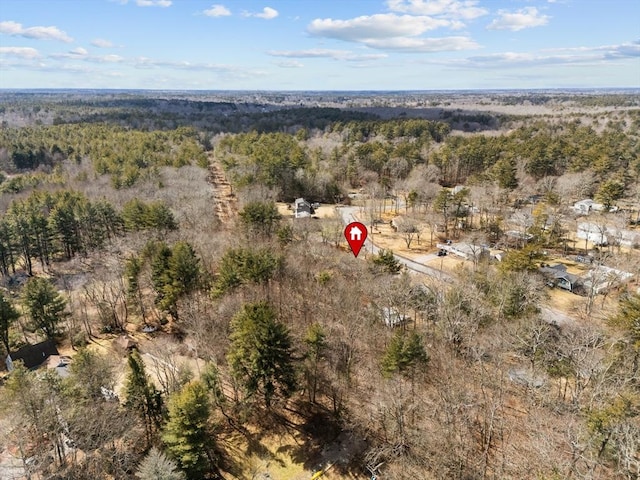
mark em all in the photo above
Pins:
pixel 260 218
pixel 260 353
pixel 186 433
pixel 8 315
pixel 90 372
pixel 610 191
pixel 124 154
pixel 138 215
pixel 628 319
pixel 405 353
pixel 44 305
pixel 241 266
pixel 316 343
pixel 385 262
pixel 46 226
pixel 141 395
pixel 175 272
pixel 522 260
pixel 271 159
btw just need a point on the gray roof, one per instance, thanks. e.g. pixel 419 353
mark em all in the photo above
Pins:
pixel 558 272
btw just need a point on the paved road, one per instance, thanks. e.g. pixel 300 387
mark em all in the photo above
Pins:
pixel 350 214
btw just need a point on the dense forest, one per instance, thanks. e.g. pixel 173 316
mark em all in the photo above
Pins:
pixel 239 344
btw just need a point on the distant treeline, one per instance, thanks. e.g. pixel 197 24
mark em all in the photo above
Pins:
pixel 47 226
pixel 389 148
pixel 604 100
pixel 122 153
pixel 543 149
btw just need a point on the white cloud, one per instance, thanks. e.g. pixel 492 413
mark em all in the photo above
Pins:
pixel 22 52
pixel 465 9
pixel 524 18
pixel 565 56
pixel 267 13
pixel 102 43
pixel 231 70
pixel 426 45
pixel 154 3
pixel 39 33
pixel 79 51
pixel 82 54
pixel 326 53
pixel 290 64
pixel 393 32
pixel 217 11
pixel 108 59
pixel 629 49
pixel 364 28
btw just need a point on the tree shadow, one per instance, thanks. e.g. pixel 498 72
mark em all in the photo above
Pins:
pixel 325 442
pixel 311 436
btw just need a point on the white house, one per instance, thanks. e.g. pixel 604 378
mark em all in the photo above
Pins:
pixel 594 233
pixel 622 236
pixel 302 208
pixel 586 206
pixel 464 250
pixel 599 234
pixel 392 317
pixel 602 278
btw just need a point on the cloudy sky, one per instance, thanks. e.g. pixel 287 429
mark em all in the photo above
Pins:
pixel 319 44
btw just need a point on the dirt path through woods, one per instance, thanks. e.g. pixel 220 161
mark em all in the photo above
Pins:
pixel 225 203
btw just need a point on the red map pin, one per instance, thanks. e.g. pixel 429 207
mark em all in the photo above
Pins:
pixel 356 234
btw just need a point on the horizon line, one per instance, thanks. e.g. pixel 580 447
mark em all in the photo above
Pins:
pixel 182 90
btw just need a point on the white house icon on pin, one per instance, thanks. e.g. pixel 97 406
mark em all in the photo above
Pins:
pixel 355 233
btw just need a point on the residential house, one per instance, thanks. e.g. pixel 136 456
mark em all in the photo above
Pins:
pixel 602 234
pixel 516 237
pixel 464 250
pixel 392 317
pixel 592 232
pixel 302 208
pixel 602 278
pixel 558 276
pixel 32 356
pixel 586 206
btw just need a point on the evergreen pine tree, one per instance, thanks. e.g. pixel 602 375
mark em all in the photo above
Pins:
pixel 44 305
pixel 260 353
pixel 405 352
pixel 186 433
pixel 8 315
pixel 156 466
pixel 142 396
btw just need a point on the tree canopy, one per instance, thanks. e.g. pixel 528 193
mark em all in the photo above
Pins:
pixel 45 306
pixel 260 353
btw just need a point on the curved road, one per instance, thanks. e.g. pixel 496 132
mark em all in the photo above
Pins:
pixel 349 214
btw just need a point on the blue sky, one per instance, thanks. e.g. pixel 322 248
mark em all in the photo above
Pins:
pixel 319 44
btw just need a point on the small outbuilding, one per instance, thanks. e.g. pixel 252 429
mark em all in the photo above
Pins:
pixel 302 208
